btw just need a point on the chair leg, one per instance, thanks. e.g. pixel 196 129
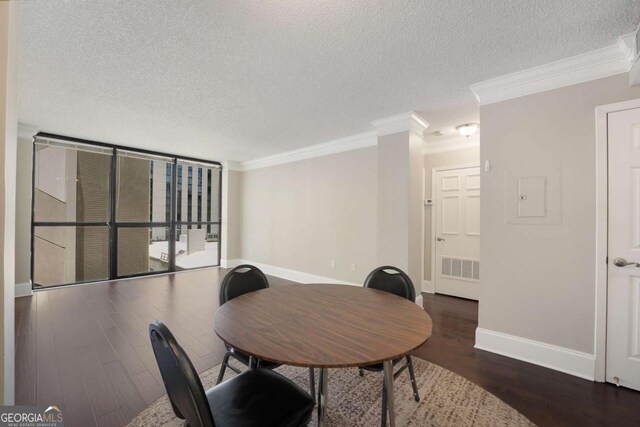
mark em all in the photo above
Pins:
pixel 253 362
pixel 312 383
pixel 412 375
pixel 361 372
pixel 223 367
pixel 383 412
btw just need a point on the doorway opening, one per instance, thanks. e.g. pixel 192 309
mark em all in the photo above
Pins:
pixel 452 221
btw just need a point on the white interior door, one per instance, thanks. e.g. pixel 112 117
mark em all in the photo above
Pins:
pixel 457 232
pixel 623 287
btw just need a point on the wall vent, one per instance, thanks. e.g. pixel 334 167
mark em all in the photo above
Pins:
pixel 459 268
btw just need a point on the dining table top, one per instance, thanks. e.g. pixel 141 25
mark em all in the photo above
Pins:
pixel 323 325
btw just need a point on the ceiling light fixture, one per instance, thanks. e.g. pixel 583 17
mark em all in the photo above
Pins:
pixel 468 129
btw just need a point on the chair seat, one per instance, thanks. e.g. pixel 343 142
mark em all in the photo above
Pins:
pixel 378 367
pixel 244 358
pixel 259 397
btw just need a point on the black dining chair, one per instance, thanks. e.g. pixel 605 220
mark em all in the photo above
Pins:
pixel 393 280
pixel 258 397
pixel 240 280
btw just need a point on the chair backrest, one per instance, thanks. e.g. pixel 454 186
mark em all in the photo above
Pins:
pixel 240 280
pixel 391 279
pixel 181 380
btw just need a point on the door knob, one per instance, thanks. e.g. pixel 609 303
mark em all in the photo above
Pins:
pixel 621 262
pixel 439 239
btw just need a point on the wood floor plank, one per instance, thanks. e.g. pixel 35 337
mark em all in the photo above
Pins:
pixel 102 397
pixel 102 346
pixel 130 400
pixel 208 361
pixel 100 311
pixel 25 352
pixel 113 419
pixel 130 329
pixel 78 411
pixel 49 388
pixel 146 355
pixel 148 386
pixel 125 352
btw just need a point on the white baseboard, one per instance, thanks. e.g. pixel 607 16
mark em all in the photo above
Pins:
pixel 285 273
pixel 227 263
pixel 293 275
pixel 550 356
pixel 23 289
pixel 427 286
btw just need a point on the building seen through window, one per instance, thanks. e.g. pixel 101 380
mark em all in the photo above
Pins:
pixel 85 230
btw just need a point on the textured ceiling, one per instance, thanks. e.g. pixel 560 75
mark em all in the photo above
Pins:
pixel 239 80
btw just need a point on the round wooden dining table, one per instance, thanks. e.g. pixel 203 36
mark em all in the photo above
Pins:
pixel 325 326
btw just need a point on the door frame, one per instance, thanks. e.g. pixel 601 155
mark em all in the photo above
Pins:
pixel 433 215
pixel 602 231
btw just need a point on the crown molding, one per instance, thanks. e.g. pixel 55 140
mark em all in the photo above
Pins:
pixel 409 121
pixel 353 142
pixel 597 64
pixel 452 143
pixel 231 165
pixel 26 131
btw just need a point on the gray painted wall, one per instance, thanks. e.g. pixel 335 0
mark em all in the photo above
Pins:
pixel 304 214
pixel 357 209
pixel 538 281
pixel 392 200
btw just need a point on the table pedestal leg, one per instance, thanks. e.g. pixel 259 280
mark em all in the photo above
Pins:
pixel 388 383
pixel 322 397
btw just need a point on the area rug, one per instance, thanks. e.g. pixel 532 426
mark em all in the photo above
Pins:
pixel 447 399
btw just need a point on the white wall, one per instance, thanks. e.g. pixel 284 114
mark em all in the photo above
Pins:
pixel 467 156
pixel 304 214
pixel 538 281
pixel 8 141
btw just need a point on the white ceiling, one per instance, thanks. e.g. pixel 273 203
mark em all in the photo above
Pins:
pixel 239 80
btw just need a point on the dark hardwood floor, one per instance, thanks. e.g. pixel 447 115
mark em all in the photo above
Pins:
pixel 86 348
pixel 545 396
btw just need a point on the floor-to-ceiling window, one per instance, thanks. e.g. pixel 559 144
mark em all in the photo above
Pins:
pixel 105 212
pixel 198 221
pixel 142 220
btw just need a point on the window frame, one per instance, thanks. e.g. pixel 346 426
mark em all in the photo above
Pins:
pixel 112 223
